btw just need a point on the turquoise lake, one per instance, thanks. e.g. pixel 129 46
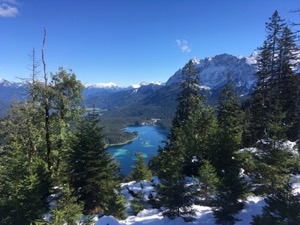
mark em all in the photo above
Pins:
pixel 146 142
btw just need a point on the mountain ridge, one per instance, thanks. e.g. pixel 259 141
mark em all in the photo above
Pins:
pixel 111 85
pixel 148 98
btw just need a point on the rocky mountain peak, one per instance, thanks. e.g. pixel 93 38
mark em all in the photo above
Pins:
pixel 213 71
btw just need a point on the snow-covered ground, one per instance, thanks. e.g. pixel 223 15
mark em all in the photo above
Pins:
pixel 204 215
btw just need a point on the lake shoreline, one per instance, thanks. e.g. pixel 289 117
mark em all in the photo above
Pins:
pixel 135 134
pixel 146 140
pixel 120 144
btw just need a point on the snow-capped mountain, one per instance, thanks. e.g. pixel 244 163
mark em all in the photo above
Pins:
pixel 5 83
pixel 110 88
pixel 9 89
pixel 161 97
pixel 144 83
pixel 101 85
pixel 213 71
pixel 101 88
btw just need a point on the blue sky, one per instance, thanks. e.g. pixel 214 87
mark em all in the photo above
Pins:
pixel 129 41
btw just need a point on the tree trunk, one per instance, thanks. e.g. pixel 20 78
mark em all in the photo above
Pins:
pixel 46 108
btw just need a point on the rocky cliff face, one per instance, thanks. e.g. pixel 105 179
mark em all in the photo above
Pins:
pixel 213 72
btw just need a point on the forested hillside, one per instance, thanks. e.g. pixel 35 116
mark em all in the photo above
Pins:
pixel 55 169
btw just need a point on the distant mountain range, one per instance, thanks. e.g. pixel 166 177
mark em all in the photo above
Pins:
pixel 148 100
pixel 159 101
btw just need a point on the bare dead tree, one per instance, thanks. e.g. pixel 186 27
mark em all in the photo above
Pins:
pixel 46 107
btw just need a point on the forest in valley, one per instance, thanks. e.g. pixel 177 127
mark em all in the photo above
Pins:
pixel 54 167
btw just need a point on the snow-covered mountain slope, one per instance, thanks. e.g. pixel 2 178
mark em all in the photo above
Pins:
pixel 101 85
pixel 5 83
pixel 213 71
pixel 108 88
pixel 101 88
pixel 10 90
pixel 144 83
pixel 204 215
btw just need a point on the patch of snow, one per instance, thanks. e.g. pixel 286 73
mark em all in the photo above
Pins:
pixel 107 220
pixel 196 61
pixel 143 83
pixel 253 206
pixel 148 213
pixel 296 187
pixel 204 214
pixel 252 58
pixel 6 83
pixel 296 184
pixel 136 85
pixel 101 85
pixel 194 159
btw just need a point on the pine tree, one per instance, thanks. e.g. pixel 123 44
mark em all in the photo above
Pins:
pixel 267 78
pixel 287 84
pixel 260 103
pixel 232 186
pixel 116 205
pixel 283 207
pixel 207 182
pixel 25 182
pixel 67 209
pixel 227 204
pixel 177 198
pixel 230 117
pixel 274 162
pixel 297 115
pixel 140 170
pixel 172 160
pixel 276 80
pixel 94 174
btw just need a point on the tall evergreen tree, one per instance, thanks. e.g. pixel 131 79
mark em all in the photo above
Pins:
pixel 287 84
pixel 267 78
pixel 274 161
pixel 276 80
pixel 172 160
pixel 274 115
pixel 230 117
pixel 297 128
pixel 260 103
pixel 24 178
pixel 232 186
pixel 94 174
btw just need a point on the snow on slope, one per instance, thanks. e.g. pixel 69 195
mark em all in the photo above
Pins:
pixel 6 83
pixel 213 71
pixel 204 215
pixel 101 85
pixel 143 83
pixel 149 216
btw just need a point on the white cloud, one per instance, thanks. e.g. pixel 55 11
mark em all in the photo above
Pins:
pixel 183 45
pixel 8 8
